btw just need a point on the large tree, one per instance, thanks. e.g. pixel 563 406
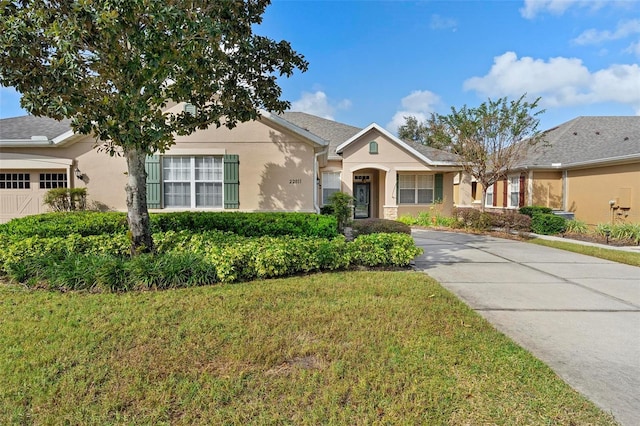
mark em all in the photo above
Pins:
pixel 114 67
pixel 491 139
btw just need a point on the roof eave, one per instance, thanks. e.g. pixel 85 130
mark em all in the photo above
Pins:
pixel 293 128
pixel 386 133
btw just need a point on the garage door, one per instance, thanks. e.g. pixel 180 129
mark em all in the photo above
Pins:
pixel 22 191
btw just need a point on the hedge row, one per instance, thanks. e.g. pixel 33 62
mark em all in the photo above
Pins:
pixel 99 263
pixel 482 221
pixel 60 224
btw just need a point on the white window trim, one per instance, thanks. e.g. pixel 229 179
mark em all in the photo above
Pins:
pixel 417 188
pixel 324 185
pixel 486 200
pixel 510 190
pixel 193 182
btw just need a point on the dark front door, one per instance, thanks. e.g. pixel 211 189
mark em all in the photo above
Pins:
pixel 361 193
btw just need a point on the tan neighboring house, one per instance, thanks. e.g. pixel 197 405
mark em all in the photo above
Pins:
pixel 288 162
pixel 589 168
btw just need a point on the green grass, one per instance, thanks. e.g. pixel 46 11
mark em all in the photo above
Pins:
pixel 629 258
pixel 343 348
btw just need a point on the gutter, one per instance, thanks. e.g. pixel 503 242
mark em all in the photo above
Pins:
pixel 25 143
pixel 316 170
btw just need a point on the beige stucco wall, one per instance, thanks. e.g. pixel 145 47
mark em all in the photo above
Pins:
pixel 390 160
pixel 546 189
pixel 590 190
pixel 276 167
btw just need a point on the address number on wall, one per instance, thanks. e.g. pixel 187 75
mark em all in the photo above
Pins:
pixel 295 181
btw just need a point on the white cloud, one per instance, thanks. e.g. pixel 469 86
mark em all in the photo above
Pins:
pixel 559 81
pixel 319 104
pixel 442 23
pixel 624 30
pixel 419 103
pixel 557 7
pixel 634 49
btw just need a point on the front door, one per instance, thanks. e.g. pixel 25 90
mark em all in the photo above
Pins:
pixel 362 195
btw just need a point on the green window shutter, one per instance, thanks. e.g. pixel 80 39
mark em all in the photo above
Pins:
pixel 438 190
pixel 231 181
pixel 154 187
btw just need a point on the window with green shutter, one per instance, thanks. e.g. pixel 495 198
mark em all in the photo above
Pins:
pixel 154 181
pixel 231 181
pixel 439 188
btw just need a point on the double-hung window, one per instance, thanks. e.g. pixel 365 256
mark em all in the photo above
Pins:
pixel 489 200
pixel 330 185
pixel 514 191
pixel 415 189
pixel 192 182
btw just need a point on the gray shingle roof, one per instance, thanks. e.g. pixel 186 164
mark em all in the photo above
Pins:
pixel 333 132
pixel 27 126
pixel 433 153
pixel 588 139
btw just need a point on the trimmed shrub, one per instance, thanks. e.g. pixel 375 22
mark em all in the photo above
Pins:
pixel 548 224
pixel 60 224
pixel 101 263
pixel 533 210
pixel 66 199
pixel 512 221
pixel 384 250
pixel 377 226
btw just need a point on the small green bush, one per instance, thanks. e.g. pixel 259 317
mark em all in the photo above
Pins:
pixel 341 205
pixel 533 210
pixel 377 226
pixel 577 227
pixel 66 199
pixel 548 224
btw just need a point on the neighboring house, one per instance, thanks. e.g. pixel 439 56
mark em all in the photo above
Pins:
pixel 287 162
pixel 589 167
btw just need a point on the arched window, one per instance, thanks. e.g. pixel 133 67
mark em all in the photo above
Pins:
pixel 373 147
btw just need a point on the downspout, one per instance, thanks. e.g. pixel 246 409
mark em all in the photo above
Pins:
pixel 316 171
pixel 565 188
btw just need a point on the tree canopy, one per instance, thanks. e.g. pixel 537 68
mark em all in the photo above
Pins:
pixel 491 139
pixel 113 68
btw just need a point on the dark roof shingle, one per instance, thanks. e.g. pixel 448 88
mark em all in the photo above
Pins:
pixel 588 139
pixel 27 126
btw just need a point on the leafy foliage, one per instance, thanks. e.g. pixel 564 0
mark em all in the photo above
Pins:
pixel 533 210
pixel 491 140
pixel 341 205
pixel 244 224
pixel 66 199
pixel 377 226
pixel 577 226
pixel 184 258
pixel 113 68
pixel 548 224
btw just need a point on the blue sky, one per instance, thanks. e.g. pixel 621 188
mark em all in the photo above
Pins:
pixel 377 61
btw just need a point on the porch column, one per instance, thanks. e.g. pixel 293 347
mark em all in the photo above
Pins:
pixel 390 207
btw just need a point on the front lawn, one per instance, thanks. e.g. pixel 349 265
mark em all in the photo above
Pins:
pixel 338 348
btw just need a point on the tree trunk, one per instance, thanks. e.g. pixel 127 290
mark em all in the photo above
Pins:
pixel 483 201
pixel 137 212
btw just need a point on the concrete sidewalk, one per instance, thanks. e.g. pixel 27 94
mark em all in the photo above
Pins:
pixel 578 314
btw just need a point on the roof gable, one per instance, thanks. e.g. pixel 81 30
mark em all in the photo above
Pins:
pixel 428 155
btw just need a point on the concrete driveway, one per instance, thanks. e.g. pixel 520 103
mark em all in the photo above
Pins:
pixel 578 314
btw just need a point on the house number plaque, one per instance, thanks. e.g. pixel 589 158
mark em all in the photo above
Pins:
pixel 295 181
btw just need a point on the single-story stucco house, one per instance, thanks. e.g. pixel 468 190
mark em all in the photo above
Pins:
pixel 588 167
pixel 288 162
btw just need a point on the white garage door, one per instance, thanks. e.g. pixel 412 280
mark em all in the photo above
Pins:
pixel 22 191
